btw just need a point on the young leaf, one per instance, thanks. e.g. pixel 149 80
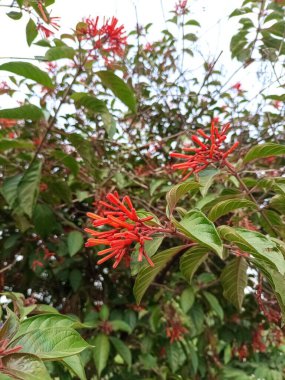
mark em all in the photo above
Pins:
pixel 187 299
pixel 234 281
pixel 264 150
pixel 229 205
pixel 29 71
pixel 101 352
pixel 74 242
pixel 119 88
pixel 198 227
pixel 177 192
pixel 191 260
pixel 148 274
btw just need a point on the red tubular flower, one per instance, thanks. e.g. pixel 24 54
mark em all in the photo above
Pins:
pixel 124 230
pixel 175 331
pixel 45 31
pixel 181 7
pixel 207 153
pixel 237 86
pixel 110 37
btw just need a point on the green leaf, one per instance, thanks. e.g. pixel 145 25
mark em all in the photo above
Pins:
pixel 187 299
pixel 175 356
pixel 122 350
pixel 31 32
pixel 229 205
pixel 25 367
pixel 206 179
pixel 44 220
pixel 74 363
pixel 28 188
pixel 75 242
pixel 9 189
pixel 215 305
pixel 119 88
pixel 6 144
pixel 75 279
pixel 198 227
pixel 177 192
pixel 264 150
pixel 256 244
pixel 119 325
pixel 148 274
pixel 26 112
pixel 44 321
pixel 98 107
pixel 15 15
pixel 29 71
pixel 67 160
pixel 59 52
pixel 234 281
pixel 101 352
pixel 51 343
pixel 191 260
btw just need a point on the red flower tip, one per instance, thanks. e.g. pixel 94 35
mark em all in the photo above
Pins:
pixel 209 152
pixel 124 230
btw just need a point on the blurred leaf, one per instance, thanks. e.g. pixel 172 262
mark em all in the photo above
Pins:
pixel 122 350
pixel 148 274
pixel 187 299
pixel 44 220
pixel 191 260
pixel 15 15
pixel 31 31
pixel 234 281
pixel 74 242
pixel 29 71
pixel 121 326
pixel 26 112
pixel 101 352
pixel 75 279
pixel 215 305
pixel 119 88
pixel 59 52
pixel 6 144
pixel 198 227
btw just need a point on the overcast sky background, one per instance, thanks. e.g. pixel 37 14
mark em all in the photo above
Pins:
pixel 214 35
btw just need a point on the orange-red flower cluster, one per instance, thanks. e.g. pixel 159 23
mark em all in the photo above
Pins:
pixel 175 331
pixel 110 37
pixel 209 152
pixel 52 21
pixel 123 229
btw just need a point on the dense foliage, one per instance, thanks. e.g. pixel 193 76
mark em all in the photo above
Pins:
pixel 142 202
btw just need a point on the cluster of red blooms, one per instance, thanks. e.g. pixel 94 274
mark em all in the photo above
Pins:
pixel 208 153
pixel 257 339
pixel 127 230
pixel 181 8
pixel 38 263
pixel 52 21
pixel 110 37
pixel 267 304
pixel 241 352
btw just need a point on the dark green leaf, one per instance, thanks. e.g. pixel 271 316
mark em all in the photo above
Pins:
pixel 31 31
pixel 29 71
pixel 26 112
pixel 122 350
pixel 101 352
pixel 15 15
pixel 74 242
pixel 119 88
